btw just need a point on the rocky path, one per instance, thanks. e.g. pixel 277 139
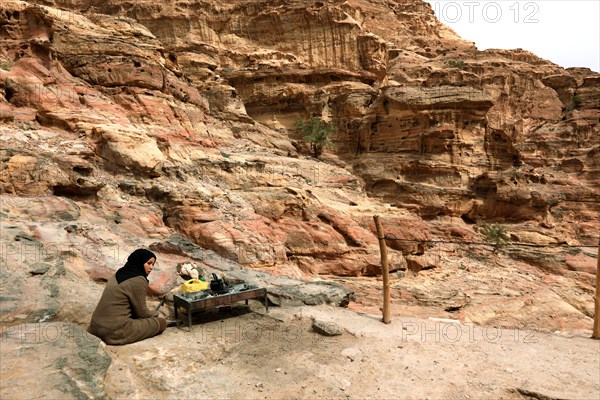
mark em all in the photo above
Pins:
pixel 246 354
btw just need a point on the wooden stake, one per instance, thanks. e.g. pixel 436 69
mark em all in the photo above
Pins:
pixel 384 270
pixel 596 332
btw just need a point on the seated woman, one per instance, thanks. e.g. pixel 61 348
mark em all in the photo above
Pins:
pixel 121 315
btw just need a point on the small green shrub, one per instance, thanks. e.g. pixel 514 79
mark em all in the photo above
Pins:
pixel 316 132
pixel 575 104
pixel 24 126
pixel 495 234
pixel 460 64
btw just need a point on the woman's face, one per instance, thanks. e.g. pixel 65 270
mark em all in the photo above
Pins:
pixel 149 265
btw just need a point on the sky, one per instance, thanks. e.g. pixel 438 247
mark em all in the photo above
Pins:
pixel 566 32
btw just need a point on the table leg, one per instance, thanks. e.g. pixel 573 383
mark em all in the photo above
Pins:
pixel 189 312
pixel 266 302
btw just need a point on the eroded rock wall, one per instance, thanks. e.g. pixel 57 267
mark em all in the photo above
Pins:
pixel 178 117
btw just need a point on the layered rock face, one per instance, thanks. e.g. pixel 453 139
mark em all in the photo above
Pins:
pixel 74 362
pixel 157 118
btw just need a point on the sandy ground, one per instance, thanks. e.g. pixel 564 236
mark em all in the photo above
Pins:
pixel 245 353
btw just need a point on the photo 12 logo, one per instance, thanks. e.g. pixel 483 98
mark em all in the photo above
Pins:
pixel 451 332
pixel 53 332
pixel 452 12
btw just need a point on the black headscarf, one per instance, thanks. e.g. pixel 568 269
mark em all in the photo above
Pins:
pixel 134 265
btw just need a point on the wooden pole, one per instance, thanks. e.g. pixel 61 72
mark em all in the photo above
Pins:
pixel 596 332
pixel 384 270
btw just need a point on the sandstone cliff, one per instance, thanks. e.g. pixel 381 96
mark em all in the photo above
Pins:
pixel 126 122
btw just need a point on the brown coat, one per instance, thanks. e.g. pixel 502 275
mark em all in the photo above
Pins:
pixel 121 315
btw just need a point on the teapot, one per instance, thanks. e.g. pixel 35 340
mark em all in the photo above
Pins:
pixel 217 284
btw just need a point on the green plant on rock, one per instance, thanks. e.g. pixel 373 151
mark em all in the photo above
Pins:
pixel 495 234
pixel 575 104
pixel 460 64
pixel 24 125
pixel 316 133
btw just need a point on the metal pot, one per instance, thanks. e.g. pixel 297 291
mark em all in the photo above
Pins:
pixel 217 284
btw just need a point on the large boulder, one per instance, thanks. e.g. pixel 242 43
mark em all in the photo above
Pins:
pixel 131 149
pixel 281 290
pixel 52 361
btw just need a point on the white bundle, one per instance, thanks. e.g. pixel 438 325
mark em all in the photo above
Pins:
pixel 189 269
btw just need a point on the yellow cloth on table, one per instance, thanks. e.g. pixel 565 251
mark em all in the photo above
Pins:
pixel 194 285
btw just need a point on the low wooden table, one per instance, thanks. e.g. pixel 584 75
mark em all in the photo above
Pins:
pixel 197 301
